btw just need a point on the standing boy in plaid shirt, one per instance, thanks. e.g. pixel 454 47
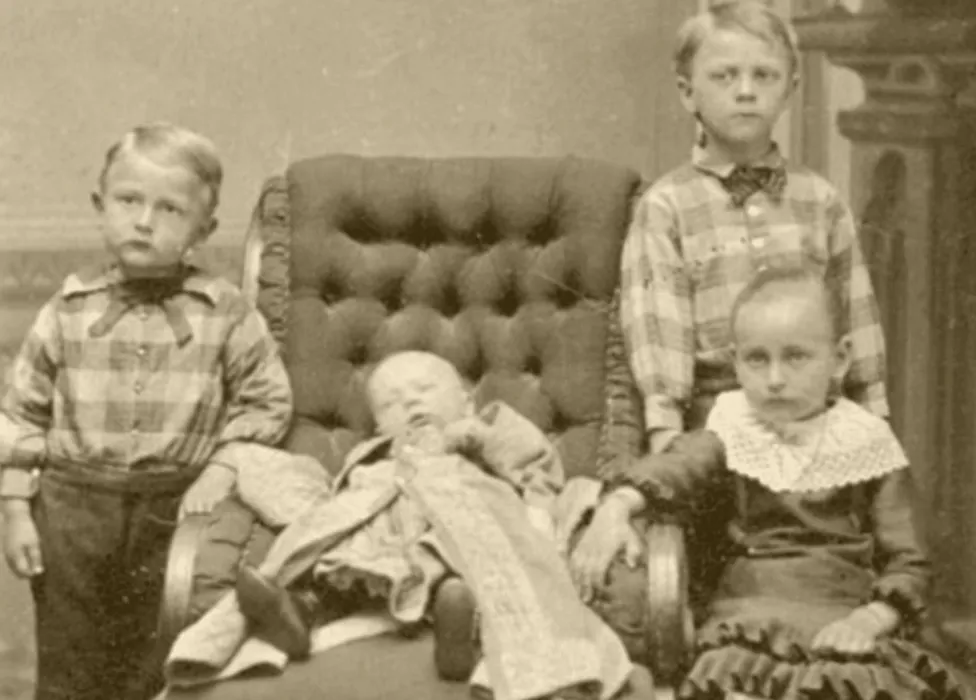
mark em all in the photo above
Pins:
pixel 702 231
pixel 137 390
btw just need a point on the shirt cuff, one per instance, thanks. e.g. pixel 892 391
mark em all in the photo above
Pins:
pixel 662 415
pixel 18 483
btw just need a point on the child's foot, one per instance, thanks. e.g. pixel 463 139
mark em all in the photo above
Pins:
pixel 281 618
pixel 455 630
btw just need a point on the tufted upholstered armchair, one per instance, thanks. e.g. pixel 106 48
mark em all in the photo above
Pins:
pixel 507 267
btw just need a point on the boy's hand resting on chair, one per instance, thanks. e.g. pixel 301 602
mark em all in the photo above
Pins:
pixel 608 534
pixel 856 634
pixel 21 543
pixel 212 486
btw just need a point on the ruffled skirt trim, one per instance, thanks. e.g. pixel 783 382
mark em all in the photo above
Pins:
pixel 768 662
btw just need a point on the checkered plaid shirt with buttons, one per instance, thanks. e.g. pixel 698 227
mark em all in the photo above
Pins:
pixel 691 248
pixel 135 395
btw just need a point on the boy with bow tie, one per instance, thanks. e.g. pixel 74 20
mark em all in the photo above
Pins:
pixel 702 231
pixel 139 388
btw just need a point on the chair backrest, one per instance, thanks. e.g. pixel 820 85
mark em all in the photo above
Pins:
pixel 507 267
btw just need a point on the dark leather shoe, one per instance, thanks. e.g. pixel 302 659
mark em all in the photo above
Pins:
pixel 455 621
pixel 280 617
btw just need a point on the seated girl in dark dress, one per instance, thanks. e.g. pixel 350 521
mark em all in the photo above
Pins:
pixel 824 592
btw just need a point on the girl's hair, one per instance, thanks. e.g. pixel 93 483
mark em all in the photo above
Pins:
pixel 794 275
pixel 171 145
pixel 753 17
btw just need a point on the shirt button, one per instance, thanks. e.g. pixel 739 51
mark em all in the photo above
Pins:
pixel 144 313
pixel 141 352
pixel 138 387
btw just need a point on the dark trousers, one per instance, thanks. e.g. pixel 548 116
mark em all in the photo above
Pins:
pixel 96 604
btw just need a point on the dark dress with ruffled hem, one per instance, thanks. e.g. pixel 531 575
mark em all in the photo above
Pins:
pixel 801 561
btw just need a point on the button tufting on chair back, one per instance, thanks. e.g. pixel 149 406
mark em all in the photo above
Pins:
pixel 506 267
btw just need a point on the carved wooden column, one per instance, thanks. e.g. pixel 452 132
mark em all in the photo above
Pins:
pixel 913 187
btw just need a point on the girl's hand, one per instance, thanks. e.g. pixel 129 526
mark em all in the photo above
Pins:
pixel 608 534
pixel 858 633
pixel 21 543
pixel 212 486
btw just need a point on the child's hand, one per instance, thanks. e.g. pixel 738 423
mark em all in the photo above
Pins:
pixel 212 486
pixel 608 534
pixel 857 634
pixel 425 440
pixel 465 435
pixel 21 543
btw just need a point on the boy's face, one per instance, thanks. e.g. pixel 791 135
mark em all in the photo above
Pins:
pixel 415 394
pixel 152 214
pixel 738 87
pixel 786 356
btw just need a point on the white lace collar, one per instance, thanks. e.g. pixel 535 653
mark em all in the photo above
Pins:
pixel 845 445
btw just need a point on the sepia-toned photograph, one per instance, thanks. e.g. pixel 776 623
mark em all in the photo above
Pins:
pixel 505 349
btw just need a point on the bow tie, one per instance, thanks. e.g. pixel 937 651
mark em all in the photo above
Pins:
pixel 745 180
pixel 131 293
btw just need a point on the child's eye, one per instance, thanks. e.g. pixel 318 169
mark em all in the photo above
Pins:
pixel 126 198
pixel 796 356
pixel 756 359
pixel 723 76
pixel 170 208
pixel 766 75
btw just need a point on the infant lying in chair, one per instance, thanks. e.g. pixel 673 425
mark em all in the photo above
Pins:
pixel 444 505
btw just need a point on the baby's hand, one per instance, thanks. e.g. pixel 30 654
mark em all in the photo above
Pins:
pixel 21 543
pixel 858 633
pixel 212 486
pixel 425 440
pixel 465 435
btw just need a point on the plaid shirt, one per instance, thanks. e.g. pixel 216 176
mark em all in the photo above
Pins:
pixel 135 400
pixel 690 251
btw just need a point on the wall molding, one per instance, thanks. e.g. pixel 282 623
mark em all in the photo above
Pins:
pixel 55 231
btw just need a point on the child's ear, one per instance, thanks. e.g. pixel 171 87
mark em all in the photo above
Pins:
pixel 97 202
pixel 206 230
pixel 843 356
pixel 686 93
pixel 794 85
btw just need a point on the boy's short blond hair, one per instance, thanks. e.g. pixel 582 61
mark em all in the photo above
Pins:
pixel 753 17
pixel 171 144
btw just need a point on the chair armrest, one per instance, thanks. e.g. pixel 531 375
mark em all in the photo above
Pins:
pixel 251 267
pixel 670 627
pixel 265 272
pixel 178 582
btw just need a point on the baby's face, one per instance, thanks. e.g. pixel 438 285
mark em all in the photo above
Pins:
pixel 786 356
pixel 417 393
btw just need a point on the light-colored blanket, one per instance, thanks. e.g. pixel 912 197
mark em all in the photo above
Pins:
pixel 450 511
